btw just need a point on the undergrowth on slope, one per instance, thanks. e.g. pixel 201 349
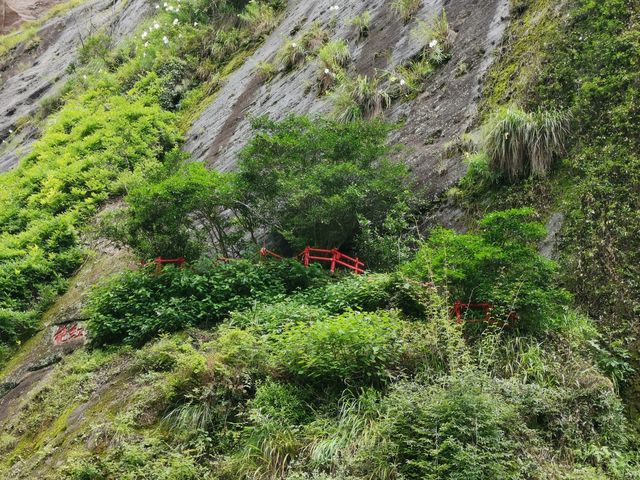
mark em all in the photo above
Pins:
pixel 120 124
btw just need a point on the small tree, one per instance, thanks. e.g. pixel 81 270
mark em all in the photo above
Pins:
pixel 311 181
pixel 499 264
pixel 181 214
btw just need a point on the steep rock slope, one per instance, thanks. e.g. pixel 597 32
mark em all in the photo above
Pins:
pixel 34 69
pixel 445 110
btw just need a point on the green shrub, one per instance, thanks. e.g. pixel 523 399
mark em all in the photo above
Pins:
pixel 500 264
pixel 136 306
pixel 95 47
pixel 178 216
pixel 354 292
pixel 272 318
pixel 350 349
pixel 451 430
pixel 308 181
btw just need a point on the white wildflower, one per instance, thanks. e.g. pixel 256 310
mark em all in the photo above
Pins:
pixel 433 43
pixel 327 71
pixel 402 82
pixel 157 6
pixel 144 34
pixel 195 24
pixel 146 44
pixel 165 40
pixel 175 22
pixel 156 25
pixel 294 45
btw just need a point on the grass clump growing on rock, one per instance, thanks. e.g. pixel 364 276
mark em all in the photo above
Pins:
pixel 406 9
pixel 522 144
pixel 363 23
pixel 361 97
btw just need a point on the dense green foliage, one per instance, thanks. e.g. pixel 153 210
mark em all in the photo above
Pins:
pixel 352 348
pixel 116 130
pixel 588 69
pixel 262 371
pixel 313 181
pixel 500 265
pixel 136 306
pixel 71 170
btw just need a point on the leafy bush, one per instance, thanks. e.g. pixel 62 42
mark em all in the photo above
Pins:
pixel 451 430
pixel 135 306
pixel 349 349
pixel 499 264
pixel 522 144
pixel 178 216
pixel 308 181
pixel 272 318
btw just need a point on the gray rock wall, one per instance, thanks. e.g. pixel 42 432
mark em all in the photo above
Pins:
pixel 446 109
pixel 33 71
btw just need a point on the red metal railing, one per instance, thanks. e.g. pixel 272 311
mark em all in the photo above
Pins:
pixel 334 257
pixel 459 307
pixel 268 253
pixel 159 261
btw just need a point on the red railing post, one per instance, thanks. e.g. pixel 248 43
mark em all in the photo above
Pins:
pixel 306 257
pixel 158 265
pixel 335 255
pixel 457 309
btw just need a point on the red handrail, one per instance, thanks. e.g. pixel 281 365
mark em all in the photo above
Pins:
pixel 334 256
pixel 486 308
pixel 159 261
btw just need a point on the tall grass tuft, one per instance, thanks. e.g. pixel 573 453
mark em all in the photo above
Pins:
pixel 362 97
pixel 334 55
pixel 406 8
pixel 259 17
pixel 521 144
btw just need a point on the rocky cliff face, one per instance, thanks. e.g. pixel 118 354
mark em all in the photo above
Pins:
pixel 36 68
pixel 444 111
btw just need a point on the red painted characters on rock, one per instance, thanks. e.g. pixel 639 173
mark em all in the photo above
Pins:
pixel 68 333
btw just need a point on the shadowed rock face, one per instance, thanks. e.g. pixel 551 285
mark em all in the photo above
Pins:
pixel 446 109
pixel 32 71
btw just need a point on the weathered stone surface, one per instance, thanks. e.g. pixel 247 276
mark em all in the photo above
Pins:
pixel 35 70
pixel 446 109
